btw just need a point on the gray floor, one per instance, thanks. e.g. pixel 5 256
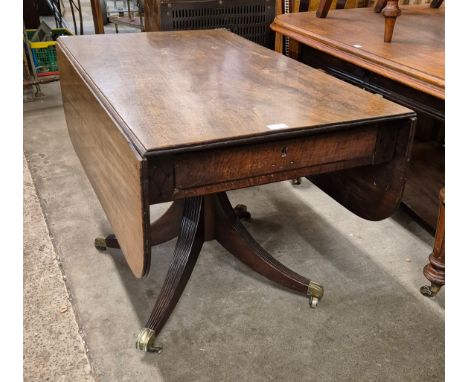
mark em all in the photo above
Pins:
pixel 230 324
pixel 53 347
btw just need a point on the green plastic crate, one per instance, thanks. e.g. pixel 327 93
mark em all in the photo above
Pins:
pixel 44 53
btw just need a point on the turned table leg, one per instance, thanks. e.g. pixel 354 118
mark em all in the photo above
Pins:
pixel 390 12
pixel 233 236
pixel 435 270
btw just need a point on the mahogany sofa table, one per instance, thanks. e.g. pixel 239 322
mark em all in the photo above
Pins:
pixel 186 116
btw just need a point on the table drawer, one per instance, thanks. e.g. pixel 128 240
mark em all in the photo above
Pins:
pixel 234 163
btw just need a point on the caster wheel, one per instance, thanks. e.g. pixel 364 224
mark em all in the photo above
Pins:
pixel 296 181
pixel 241 212
pixel 315 293
pixel 145 341
pixel 100 243
pixel 429 290
pixel 313 302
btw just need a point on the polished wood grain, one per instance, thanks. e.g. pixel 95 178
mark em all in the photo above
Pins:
pixel 197 173
pixel 373 192
pixel 416 56
pixel 214 166
pixel 113 166
pixel 364 67
pixel 427 177
pixel 201 122
pixel 206 112
pixel 175 90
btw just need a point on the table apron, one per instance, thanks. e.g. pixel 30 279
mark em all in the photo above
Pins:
pixel 216 170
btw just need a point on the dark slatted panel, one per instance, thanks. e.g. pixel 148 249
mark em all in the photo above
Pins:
pixel 249 19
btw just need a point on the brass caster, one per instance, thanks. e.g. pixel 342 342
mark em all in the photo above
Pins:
pixel 145 341
pixel 429 290
pixel 315 294
pixel 100 243
pixel 296 181
pixel 241 212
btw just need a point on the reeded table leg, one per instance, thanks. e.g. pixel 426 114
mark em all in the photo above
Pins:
pixel 233 236
pixel 213 218
pixel 186 253
pixel 435 270
pixel 201 219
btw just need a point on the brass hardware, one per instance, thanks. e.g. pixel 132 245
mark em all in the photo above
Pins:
pixel 315 294
pixel 145 341
pixel 100 243
pixel 296 181
pixel 429 290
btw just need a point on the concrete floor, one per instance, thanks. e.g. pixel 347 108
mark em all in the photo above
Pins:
pixel 231 324
pixel 53 347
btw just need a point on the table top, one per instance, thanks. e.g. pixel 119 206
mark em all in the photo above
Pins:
pixel 175 91
pixel 415 57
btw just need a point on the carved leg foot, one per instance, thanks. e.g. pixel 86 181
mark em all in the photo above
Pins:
pixel 435 270
pixel 188 247
pixel 233 236
pixel 390 12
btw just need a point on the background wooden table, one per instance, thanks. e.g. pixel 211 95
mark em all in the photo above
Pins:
pixel 410 71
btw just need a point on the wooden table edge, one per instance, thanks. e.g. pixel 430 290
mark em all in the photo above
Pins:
pixel 419 81
pixel 275 135
pixel 137 152
pixel 131 138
